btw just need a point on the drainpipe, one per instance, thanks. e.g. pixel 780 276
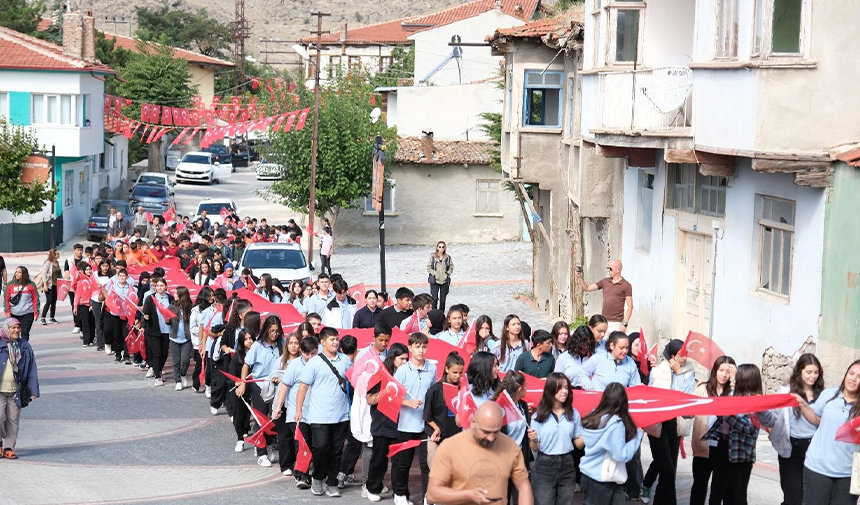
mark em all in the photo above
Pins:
pixel 717 235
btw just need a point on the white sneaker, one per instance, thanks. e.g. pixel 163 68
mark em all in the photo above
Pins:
pixel 400 500
pixel 385 490
pixel 287 473
pixel 76 331
pixel 107 350
pixel 373 497
pixel 364 491
pixel 264 461
pixel 208 391
pixel 159 382
pixel 184 383
pixel 213 411
pixel 178 386
pixel 240 446
pixel 150 373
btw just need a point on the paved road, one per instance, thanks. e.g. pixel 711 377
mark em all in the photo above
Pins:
pixel 102 433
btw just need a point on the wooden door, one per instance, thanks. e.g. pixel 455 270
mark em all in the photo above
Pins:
pixel 693 276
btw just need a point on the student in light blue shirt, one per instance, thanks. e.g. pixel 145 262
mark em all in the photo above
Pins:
pixel 453 329
pixel 827 469
pixel 483 376
pixel 285 406
pixel 514 384
pixel 555 430
pixel 608 430
pixel 598 326
pixel 328 414
pixel 416 376
pixel 262 361
pixel 580 347
pixel 422 304
pixel 612 366
pixel 511 344
pixel 318 301
pixel 381 339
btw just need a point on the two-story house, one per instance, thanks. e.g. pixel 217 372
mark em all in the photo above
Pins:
pixel 722 113
pixel 57 92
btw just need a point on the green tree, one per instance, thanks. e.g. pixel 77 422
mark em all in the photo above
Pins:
pixel 21 15
pixel 344 161
pixel 153 75
pixel 402 67
pixel 562 6
pixel 16 145
pixel 192 30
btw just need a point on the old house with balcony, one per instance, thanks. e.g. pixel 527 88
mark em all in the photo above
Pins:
pixel 722 113
pixel 57 92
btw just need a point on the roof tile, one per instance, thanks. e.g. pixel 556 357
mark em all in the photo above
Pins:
pixel 22 51
pixel 130 44
pixel 410 150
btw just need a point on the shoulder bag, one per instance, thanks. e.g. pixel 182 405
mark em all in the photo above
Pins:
pixel 340 380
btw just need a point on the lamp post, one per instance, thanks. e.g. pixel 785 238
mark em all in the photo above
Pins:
pixel 379 186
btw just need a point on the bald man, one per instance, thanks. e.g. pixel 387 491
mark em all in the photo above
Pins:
pixel 616 293
pixel 474 466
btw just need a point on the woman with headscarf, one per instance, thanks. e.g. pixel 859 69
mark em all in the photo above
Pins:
pixel 19 383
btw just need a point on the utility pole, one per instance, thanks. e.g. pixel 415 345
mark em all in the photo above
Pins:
pixel 315 142
pixel 240 33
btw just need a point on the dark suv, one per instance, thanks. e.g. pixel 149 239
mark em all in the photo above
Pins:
pixel 221 152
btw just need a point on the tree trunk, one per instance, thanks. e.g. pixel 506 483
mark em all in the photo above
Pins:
pixel 156 163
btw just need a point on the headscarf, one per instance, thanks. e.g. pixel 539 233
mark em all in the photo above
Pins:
pixel 11 344
pixel 672 348
pixel 437 319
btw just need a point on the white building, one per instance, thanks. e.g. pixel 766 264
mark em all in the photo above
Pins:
pixel 58 92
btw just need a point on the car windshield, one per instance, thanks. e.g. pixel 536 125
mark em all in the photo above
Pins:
pixel 195 158
pixel 103 209
pixel 274 258
pixel 216 149
pixel 147 179
pixel 213 208
pixel 149 192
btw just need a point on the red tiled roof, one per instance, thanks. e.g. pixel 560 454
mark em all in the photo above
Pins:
pixel 522 9
pixel 44 24
pixel 397 31
pixel 547 29
pixel 410 150
pixel 849 154
pixel 25 52
pixel 130 44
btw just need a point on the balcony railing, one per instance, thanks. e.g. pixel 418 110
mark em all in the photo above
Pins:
pixel 655 100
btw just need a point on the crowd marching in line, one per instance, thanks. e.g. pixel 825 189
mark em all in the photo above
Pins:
pixel 292 391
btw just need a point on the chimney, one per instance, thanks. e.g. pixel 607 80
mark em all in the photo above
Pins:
pixel 73 34
pixel 89 37
pixel 343 31
pixel 427 148
pixel 497 4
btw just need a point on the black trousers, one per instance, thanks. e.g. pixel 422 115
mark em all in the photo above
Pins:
pixel 265 408
pixel 88 324
pixel 730 481
pixel 286 442
pixel 379 464
pixel 325 263
pixel 553 479
pixel 602 493
pixel 401 463
pixel 75 318
pixel 97 317
pixel 26 321
pixel 665 453
pixel 198 367
pixel 327 450
pixel 351 454
pixel 791 472
pixel 439 292
pixel 701 477
pixel 823 490
pixel 241 416
pixel 50 303
pixel 634 474
pixel 159 347
pixel 305 428
pixel 219 383
pixel 115 333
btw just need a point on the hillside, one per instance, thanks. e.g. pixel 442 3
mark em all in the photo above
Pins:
pixel 283 19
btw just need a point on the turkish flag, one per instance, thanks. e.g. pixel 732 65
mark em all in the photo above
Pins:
pixel 534 389
pixel 251 284
pixel 644 353
pixel 165 312
pixel 224 213
pixel 148 217
pixel 391 396
pixel 438 351
pixel 402 446
pixel 113 302
pixel 169 214
pixel 469 341
pixel 144 112
pixel 233 378
pixel 412 325
pixel 450 392
pixel 303 116
pixel 258 439
pixel 166 116
pixel 367 372
pixel 701 349
pixel 357 294
pixel 134 342
pixel 512 414
pixel 465 404
pixel 63 287
pixel 849 432
pixel 288 124
pixel 303 452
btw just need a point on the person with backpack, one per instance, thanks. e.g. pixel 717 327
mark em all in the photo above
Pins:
pixel 439 271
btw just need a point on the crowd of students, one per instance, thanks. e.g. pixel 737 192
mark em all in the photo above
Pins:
pixel 303 388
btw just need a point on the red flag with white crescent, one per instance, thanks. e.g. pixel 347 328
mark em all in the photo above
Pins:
pixel 402 446
pixel 849 432
pixel 366 372
pixel 700 349
pixel 63 286
pixel 391 396
pixel 507 404
pixel 357 294
pixel 303 452
pixel 466 407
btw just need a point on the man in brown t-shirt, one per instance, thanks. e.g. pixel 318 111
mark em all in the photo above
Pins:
pixel 474 466
pixel 616 293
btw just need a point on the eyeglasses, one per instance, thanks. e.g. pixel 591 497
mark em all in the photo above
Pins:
pixel 440 247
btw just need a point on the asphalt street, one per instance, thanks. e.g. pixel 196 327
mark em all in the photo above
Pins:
pixel 101 433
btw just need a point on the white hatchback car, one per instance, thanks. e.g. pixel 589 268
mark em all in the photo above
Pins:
pixel 285 262
pixel 201 167
pixel 213 207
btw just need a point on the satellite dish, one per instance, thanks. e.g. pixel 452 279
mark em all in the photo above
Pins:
pixel 301 51
pixel 668 88
pixel 375 114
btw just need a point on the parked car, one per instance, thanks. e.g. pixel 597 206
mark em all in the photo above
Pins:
pixel 258 148
pixel 154 178
pixel 98 223
pixel 213 207
pixel 154 198
pixel 173 158
pixel 240 156
pixel 222 154
pixel 269 171
pixel 200 166
pixel 285 262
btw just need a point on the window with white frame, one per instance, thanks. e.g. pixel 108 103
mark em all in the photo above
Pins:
pixel 776 226
pixel 387 199
pixel 779 27
pixel 644 210
pixel 488 192
pixel 4 105
pixel 571 96
pixel 727 29
pixel 67 110
pixel 690 191
pixel 595 22
pixel 626 18
pixel 542 98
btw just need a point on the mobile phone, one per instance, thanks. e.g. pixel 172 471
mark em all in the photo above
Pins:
pixel 579 269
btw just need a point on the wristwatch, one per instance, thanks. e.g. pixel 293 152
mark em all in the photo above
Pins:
pixel 624 324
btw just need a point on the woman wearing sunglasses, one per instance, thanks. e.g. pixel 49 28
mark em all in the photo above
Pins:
pixel 439 271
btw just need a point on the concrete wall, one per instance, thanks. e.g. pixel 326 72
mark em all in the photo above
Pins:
pixel 840 302
pixel 337 56
pixel 204 79
pixel 726 108
pixel 447 111
pixel 427 200
pixel 746 321
pixel 431 48
pixel 668 33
